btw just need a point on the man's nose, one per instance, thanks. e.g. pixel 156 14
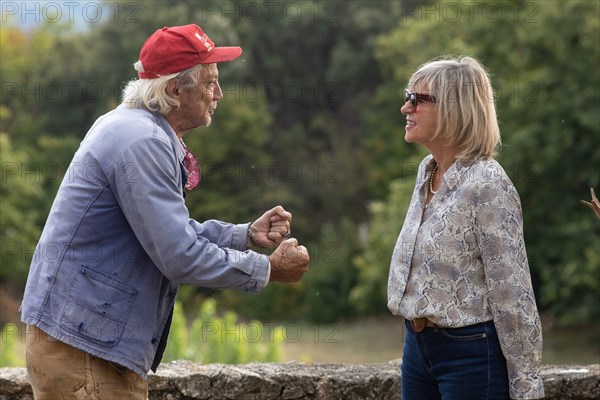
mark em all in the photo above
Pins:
pixel 218 93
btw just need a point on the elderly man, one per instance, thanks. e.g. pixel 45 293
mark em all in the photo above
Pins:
pixel 119 240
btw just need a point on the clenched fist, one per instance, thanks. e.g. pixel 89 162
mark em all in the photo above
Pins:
pixel 289 262
pixel 270 229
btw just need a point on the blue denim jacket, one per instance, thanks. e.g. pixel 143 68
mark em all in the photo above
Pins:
pixel 119 241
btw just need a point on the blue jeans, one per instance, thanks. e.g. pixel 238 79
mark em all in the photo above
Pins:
pixel 454 364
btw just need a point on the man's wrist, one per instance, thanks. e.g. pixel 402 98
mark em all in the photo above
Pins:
pixel 250 243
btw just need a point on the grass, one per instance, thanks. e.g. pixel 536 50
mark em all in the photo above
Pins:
pixel 571 345
pixel 378 340
pixel 371 340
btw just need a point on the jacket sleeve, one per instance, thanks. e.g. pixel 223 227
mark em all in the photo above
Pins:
pixel 511 298
pixel 146 182
pixel 223 234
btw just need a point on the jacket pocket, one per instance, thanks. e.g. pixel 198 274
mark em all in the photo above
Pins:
pixel 98 307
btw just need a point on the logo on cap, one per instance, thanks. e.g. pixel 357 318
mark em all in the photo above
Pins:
pixel 204 40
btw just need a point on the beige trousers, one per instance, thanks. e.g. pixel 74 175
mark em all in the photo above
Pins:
pixel 58 371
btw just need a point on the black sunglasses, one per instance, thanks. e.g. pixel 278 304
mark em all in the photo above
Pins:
pixel 415 98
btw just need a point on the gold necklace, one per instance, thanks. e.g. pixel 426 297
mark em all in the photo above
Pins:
pixel 435 168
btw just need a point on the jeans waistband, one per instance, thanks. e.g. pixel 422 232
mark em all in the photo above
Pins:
pixel 409 326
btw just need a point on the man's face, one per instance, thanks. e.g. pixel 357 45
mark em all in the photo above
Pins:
pixel 199 103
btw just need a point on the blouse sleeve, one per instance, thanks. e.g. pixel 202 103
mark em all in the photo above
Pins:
pixel 511 298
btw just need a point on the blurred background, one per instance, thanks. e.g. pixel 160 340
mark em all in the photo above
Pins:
pixel 311 120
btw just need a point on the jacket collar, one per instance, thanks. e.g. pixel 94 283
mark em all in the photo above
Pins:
pixel 177 143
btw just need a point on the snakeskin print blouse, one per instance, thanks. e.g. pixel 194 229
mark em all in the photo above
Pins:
pixel 461 260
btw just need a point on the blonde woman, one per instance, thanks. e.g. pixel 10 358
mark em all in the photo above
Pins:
pixel 459 273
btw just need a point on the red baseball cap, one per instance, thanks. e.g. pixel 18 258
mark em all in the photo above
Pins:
pixel 174 49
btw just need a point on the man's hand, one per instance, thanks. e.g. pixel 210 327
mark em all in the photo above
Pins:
pixel 289 262
pixel 272 228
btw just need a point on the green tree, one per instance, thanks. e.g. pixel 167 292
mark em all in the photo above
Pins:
pixel 20 215
pixel 33 157
pixel 369 295
pixel 235 167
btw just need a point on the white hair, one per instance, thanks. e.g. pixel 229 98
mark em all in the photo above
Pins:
pixel 151 94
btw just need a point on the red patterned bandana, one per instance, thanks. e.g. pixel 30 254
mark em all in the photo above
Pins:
pixel 191 165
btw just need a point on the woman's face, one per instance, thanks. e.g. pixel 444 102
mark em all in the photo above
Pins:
pixel 421 121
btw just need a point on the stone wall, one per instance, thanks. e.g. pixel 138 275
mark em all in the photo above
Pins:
pixel 183 380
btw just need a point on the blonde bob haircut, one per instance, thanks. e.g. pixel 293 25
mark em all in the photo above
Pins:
pixel 151 94
pixel 466 113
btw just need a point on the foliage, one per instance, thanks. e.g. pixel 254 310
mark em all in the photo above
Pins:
pixel 33 159
pixel 20 214
pixel 11 346
pixel 322 295
pixel 226 168
pixel 214 339
pixel 369 295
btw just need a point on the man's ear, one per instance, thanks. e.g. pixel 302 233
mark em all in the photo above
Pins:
pixel 173 88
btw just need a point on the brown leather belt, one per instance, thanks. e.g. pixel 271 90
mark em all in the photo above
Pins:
pixel 420 324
